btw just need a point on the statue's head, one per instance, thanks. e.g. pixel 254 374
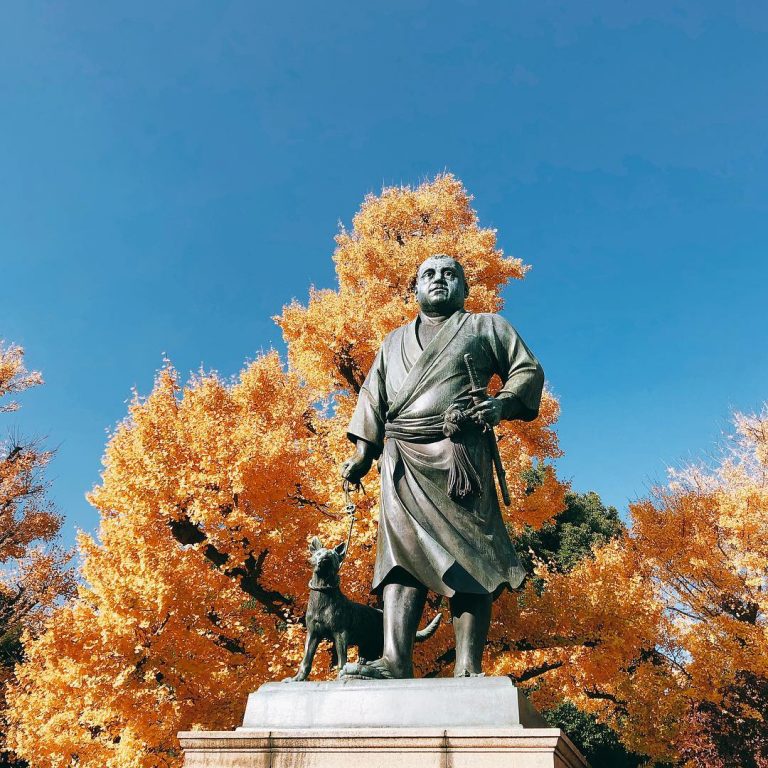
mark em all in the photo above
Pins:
pixel 441 286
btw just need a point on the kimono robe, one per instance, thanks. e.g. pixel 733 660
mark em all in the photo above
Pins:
pixel 450 545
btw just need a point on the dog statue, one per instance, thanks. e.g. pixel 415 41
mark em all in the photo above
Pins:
pixel 332 616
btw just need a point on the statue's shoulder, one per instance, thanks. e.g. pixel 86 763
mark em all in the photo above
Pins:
pixel 487 321
pixel 397 334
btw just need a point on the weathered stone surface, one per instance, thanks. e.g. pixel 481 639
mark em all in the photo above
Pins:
pixel 382 748
pixel 481 722
pixel 484 702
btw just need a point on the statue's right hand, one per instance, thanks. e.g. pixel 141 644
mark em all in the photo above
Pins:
pixel 356 467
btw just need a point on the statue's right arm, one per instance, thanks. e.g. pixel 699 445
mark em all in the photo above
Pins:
pixel 366 428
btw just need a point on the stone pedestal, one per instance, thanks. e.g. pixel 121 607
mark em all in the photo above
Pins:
pixel 439 702
pixel 436 723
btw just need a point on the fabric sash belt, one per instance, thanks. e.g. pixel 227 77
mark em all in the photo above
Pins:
pixel 463 477
pixel 426 430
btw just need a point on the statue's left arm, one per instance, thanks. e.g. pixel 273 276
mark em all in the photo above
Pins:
pixel 520 372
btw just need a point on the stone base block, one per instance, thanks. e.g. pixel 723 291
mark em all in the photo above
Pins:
pixel 481 722
pixel 441 702
pixel 381 748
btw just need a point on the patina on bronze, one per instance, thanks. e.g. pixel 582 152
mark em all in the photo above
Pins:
pixel 440 526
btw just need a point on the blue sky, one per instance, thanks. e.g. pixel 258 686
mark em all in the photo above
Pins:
pixel 173 173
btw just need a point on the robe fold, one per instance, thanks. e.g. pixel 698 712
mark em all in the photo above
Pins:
pixel 449 545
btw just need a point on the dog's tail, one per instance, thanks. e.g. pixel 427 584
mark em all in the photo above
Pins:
pixel 429 630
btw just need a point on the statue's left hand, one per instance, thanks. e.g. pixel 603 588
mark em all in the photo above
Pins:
pixel 488 412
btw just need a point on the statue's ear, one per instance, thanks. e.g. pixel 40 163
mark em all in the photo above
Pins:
pixel 315 544
pixel 466 289
pixel 341 550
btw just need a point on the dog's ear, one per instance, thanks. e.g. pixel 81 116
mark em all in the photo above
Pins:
pixel 341 550
pixel 315 544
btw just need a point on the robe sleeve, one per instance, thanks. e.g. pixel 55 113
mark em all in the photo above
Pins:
pixel 371 411
pixel 520 371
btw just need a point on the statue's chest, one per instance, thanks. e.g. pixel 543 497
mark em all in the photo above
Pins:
pixel 441 368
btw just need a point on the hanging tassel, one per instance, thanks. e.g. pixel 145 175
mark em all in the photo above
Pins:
pixel 463 479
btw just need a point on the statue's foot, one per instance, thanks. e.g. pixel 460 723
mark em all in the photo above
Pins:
pixel 467 673
pixel 369 670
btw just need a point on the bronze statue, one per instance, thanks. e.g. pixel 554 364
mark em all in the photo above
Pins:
pixel 427 421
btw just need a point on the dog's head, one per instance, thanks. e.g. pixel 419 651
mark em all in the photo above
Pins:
pixel 326 562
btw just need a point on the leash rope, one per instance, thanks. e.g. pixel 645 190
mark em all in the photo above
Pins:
pixel 349 509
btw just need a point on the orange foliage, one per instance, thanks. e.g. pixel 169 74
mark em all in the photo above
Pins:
pixel 14 377
pixel 333 340
pixel 196 585
pixel 32 576
pixel 663 633
pixel 704 542
pixel 595 636
pixel 198 579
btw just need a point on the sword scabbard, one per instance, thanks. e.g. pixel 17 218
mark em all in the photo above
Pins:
pixel 479 394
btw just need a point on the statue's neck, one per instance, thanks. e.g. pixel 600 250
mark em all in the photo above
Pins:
pixel 434 318
pixel 428 324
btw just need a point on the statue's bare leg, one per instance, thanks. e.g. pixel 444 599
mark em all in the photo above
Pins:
pixel 404 599
pixel 471 620
pixel 403 606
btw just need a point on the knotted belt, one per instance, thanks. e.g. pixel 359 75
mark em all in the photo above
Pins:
pixel 463 477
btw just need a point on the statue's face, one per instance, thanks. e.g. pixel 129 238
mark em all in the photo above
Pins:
pixel 440 285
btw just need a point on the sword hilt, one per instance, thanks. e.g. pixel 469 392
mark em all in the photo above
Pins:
pixel 478 391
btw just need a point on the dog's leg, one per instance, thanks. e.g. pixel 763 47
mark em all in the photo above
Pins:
pixel 310 647
pixel 341 641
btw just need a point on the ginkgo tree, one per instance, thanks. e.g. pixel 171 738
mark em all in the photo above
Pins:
pixel 33 571
pixel 666 629
pixel 194 589
pixel 703 542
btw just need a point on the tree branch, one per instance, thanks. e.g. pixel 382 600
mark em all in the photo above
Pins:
pixel 303 501
pixel 535 672
pixel 349 369
pixel 275 603
pixel 620 705
pixel 550 642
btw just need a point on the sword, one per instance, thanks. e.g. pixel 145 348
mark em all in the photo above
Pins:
pixel 479 395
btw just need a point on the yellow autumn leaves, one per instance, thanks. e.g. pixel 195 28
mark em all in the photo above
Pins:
pixel 33 571
pixel 193 591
